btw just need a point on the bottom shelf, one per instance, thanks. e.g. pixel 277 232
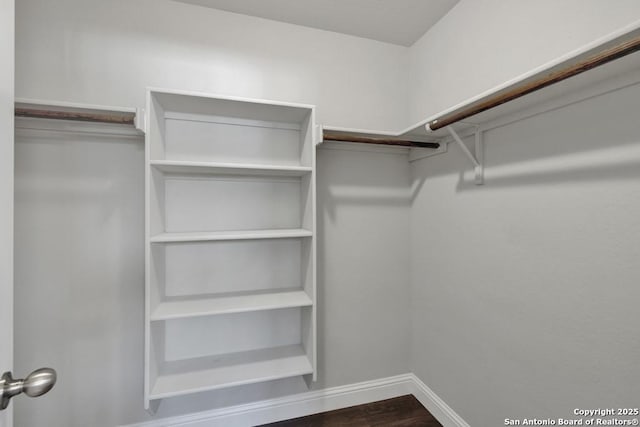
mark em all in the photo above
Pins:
pixel 209 373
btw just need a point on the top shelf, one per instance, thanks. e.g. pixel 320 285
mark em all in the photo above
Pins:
pixel 619 73
pixel 604 65
pixel 230 106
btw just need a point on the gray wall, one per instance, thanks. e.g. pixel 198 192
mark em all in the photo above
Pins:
pixel 363 259
pixel 108 52
pixel 481 44
pixel 80 199
pixel 79 277
pixel 525 290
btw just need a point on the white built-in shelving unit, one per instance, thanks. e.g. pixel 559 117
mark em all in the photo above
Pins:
pixel 230 243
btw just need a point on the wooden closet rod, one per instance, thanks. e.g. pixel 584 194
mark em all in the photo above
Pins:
pixel 330 136
pixel 609 54
pixel 128 119
pixel 102 117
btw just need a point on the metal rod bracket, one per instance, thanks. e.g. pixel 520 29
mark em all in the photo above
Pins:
pixel 477 159
pixel 422 153
pixel 318 136
pixel 139 121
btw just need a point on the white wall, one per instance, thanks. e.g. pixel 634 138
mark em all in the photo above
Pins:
pixel 363 279
pixel 72 50
pixel 107 53
pixel 525 290
pixel 80 266
pixel 99 52
pixel 481 44
pixel 79 274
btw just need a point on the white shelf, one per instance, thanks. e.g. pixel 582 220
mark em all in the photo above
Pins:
pixel 214 372
pixel 230 283
pixel 230 304
pixel 285 233
pixel 214 168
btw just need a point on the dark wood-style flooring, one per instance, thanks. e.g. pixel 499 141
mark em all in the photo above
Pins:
pixel 404 411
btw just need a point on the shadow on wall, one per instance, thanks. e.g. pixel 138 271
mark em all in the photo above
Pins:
pixel 535 271
pixel 570 144
pixel 351 177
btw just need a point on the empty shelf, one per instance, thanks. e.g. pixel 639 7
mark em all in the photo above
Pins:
pixel 190 167
pixel 230 235
pixel 230 304
pixel 209 373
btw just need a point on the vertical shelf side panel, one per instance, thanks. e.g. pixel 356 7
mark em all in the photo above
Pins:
pixel 308 157
pixel 154 256
pixel 156 128
pixel 147 250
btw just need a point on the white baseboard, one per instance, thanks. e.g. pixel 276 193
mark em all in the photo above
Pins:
pixel 313 402
pixel 436 406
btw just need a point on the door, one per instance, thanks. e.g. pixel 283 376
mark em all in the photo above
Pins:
pixel 6 191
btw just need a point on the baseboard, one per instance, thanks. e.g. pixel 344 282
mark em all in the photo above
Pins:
pixel 299 405
pixel 436 406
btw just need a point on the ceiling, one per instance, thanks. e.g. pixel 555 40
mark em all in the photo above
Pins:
pixel 400 22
